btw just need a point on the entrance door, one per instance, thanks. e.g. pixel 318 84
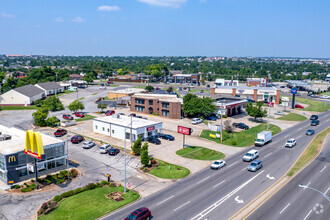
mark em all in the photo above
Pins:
pixel 151 110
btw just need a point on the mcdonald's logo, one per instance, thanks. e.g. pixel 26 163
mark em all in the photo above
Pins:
pixel 11 159
pixel 33 144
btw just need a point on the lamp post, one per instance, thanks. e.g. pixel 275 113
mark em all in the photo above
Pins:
pixel 125 160
pixel 323 194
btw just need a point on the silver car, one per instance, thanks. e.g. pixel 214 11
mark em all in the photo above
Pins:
pixel 88 144
pixel 255 165
pixel 105 148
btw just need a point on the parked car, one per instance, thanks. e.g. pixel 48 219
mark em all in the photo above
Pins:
pixel 68 117
pixel 251 155
pixel 255 165
pixel 218 164
pixel 103 87
pixel 132 115
pixel 279 113
pixel 315 122
pixel 137 116
pixel 120 113
pixel 167 137
pixel 88 144
pixel 196 121
pixel 314 117
pixel 325 97
pixel 157 88
pixel 310 132
pixel 290 143
pixel 77 139
pixel 60 132
pixel 154 140
pixel 299 106
pixel 113 151
pixel 241 126
pixel 211 118
pixel 208 86
pixel 110 82
pixel 110 112
pixel 139 214
pixel 105 148
pixel 250 100
pixel 314 96
pixel 79 114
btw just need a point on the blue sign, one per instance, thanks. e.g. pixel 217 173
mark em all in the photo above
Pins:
pixel 294 91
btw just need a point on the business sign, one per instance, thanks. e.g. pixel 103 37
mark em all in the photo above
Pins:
pixel 12 160
pixel 33 144
pixel 151 128
pixel 184 130
pixel 285 99
pixel 40 166
pixel 241 90
pixel 270 104
pixel 213 136
pixel 294 90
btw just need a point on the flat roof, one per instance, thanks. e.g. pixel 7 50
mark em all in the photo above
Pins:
pixel 127 91
pixel 161 97
pixel 125 121
pixel 17 141
pixel 247 87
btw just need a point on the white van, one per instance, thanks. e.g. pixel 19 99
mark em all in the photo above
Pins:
pixel 251 155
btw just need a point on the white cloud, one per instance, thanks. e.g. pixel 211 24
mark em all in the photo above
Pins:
pixel 108 8
pixel 164 3
pixel 7 15
pixel 78 19
pixel 59 19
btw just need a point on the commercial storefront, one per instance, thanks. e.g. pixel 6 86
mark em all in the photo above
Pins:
pixel 15 164
pixel 230 106
pixel 119 126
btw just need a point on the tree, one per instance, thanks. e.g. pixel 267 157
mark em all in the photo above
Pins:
pixel 52 121
pixel 40 116
pixel 76 105
pixel 102 106
pixel 169 89
pixel 195 107
pixel 145 154
pixel 53 104
pixel 227 126
pixel 89 77
pixel 137 146
pixel 149 88
pixel 255 111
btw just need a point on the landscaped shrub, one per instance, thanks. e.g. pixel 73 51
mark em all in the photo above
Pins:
pixel 91 186
pixel 68 194
pixel 16 186
pixel 74 172
pixel 58 182
pixel 233 142
pixel 57 198
pixel 78 190
pixel 33 186
pixel 26 189
pixel 105 183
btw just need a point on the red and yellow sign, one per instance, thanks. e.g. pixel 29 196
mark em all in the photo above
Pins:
pixel 33 144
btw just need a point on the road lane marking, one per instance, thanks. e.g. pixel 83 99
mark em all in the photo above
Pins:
pixel 218 184
pixel 307 185
pixel 223 199
pixel 267 155
pixel 232 164
pixel 203 180
pixel 327 190
pixel 308 214
pixel 285 208
pixel 244 168
pixel 181 206
pixel 140 177
pixel 165 200
pixel 323 169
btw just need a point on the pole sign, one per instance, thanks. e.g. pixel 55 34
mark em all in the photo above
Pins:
pixel 129 185
pixel 270 104
pixel 294 90
pixel 33 144
pixel 184 130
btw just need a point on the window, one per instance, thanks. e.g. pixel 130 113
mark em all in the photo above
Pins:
pixel 151 102
pixel 108 130
pixel 139 108
pixel 96 127
pixel 165 112
pixel 128 135
pixel 166 105
pixel 139 101
pixel 102 128
pixel 113 131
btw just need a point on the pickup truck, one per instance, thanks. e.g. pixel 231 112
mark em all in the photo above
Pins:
pixel 263 138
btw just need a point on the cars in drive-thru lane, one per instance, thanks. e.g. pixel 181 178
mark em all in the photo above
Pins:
pixel 167 137
pixel 196 121
pixel 241 126
pixel 68 117
pixel 251 155
pixel 290 143
pixel 255 165
pixel 218 164
pixel 79 114
pixel 154 140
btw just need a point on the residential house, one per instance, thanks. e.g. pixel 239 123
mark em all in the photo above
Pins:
pixel 50 88
pixel 22 96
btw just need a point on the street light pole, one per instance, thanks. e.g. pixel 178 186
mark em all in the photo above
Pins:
pixel 323 194
pixel 125 161
pixel 268 115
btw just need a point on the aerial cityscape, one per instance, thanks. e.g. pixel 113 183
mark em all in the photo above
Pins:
pixel 164 109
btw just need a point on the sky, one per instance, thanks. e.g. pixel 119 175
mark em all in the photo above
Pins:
pixel 258 28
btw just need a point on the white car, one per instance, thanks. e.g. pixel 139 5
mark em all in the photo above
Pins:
pixel 105 148
pixel 251 155
pixel 290 143
pixel 103 87
pixel 218 164
pixel 196 121
pixel 279 113
pixel 325 97
pixel 88 144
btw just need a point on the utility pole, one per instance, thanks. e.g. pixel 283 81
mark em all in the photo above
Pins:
pixel 125 161
pixel 269 104
pixel 67 155
pixel 56 81
pixel 221 123
pixel 131 131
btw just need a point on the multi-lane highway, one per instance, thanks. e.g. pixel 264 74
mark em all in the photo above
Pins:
pixel 218 194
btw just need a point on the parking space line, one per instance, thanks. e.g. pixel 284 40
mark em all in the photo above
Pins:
pixel 308 214
pixel 285 208
pixel 323 169
pixel 307 185
pixel 327 190
pixel 245 168
pixel 181 206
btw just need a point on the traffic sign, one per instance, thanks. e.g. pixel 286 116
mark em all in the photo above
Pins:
pixel 129 185
pixel 294 90
pixel 270 104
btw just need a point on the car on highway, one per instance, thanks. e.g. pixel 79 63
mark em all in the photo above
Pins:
pixel 314 117
pixel 314 96
pixel 114 151
pixel 279 113
pixel 68 117
pixel 154 140
pixel 299 106
pixel 251 155
pixel 241 126
pixel 255 165
pixel 211 118
pixel 110 112
pixel 139 214
pixel 196 121
pixel 79 114
pixel 60 132
pixel 208 86
pixel 315 122
pixel 310 132
pixel 88 144
pixel 77 139
pixel 104 148
pixel 218 164
pixel 167 137
pixel 290 143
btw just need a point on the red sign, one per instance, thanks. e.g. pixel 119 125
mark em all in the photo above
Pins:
pixel 184 130
pixel 151 128
pixel 35 155
pixel 129 185
pixel 270 104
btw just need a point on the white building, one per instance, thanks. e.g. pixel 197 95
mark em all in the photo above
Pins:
pixel 224 82
pixel 22 96
pixel 119 126
pixel 50 88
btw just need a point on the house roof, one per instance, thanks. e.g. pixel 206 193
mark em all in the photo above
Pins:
pixel 75 76
pixel 29 90
pixel 49 85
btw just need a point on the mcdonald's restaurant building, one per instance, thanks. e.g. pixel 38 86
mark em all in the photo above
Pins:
pixel 15 165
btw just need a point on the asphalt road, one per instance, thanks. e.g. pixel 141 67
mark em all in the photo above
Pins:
pixel 294 202
pixel 219 194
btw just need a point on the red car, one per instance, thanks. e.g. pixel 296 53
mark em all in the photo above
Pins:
pixel 299 106
pixel 60 132
pixel 110 112
pixel 69 117
pixel 110 82
pixel 79 114
pixel 139 214
pixel 77 139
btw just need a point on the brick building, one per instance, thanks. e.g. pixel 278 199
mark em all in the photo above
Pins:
pixel 261 82
pixel 164 105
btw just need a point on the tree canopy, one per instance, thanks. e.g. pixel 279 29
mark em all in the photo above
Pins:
pixel 256 111
pixel 198 107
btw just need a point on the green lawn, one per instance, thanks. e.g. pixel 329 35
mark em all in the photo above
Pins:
pixel 81 98
pixel 310 152
pixel 8 108
pixel 292 117
pixel 90 204
pixel 87 117
pixel 169 171
pixel 240 139
pixel 95 93
pixel 139 87
pixel 325 93
pixel 200 153
pixel 64 93
pixel 314 106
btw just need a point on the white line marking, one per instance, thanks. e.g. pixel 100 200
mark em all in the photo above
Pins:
pixel 327 190
pixel 323 169
pixel 284 208
pixel 203 180
pixel 223 199
pixel 165 200
pixel 218 184
pixel 139 177
pixel 307 185
pixel 268 154
pixel 244 168
pixel 308 214
pixel 232 164
pixel 181 206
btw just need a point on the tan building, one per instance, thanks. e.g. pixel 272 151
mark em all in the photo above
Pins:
pixel 163 105
pixel 120 92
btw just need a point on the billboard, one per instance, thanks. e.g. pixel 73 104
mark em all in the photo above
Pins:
pixel 184 130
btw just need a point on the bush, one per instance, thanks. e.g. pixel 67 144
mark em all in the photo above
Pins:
pixel 105 183
pixel 57 198
pixel 74 172
pixel 58 182
pixel 33 186
pixel 91 186
pixel 32 180
pixel 26 189
pixel 233 142
pixel 16 186
pixel 68 194
pixel 78 190
pixel 157 114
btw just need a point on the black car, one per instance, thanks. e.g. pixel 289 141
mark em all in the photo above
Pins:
pixel 154 141
pixel 310 132
pixel 113 151
pixel 241 126
pixel 315 122
pixel 167 137
pixel 314 117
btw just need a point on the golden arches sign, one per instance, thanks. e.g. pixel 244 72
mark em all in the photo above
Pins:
pixel 33 144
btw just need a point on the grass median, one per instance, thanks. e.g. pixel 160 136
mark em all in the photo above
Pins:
pixel 292 117
pixel 200 153
pixel 90 204
pixel 310 152
pixel 169 171
pixel 314 106
pixel 13 108
pixel 240 139
pixel 87 117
